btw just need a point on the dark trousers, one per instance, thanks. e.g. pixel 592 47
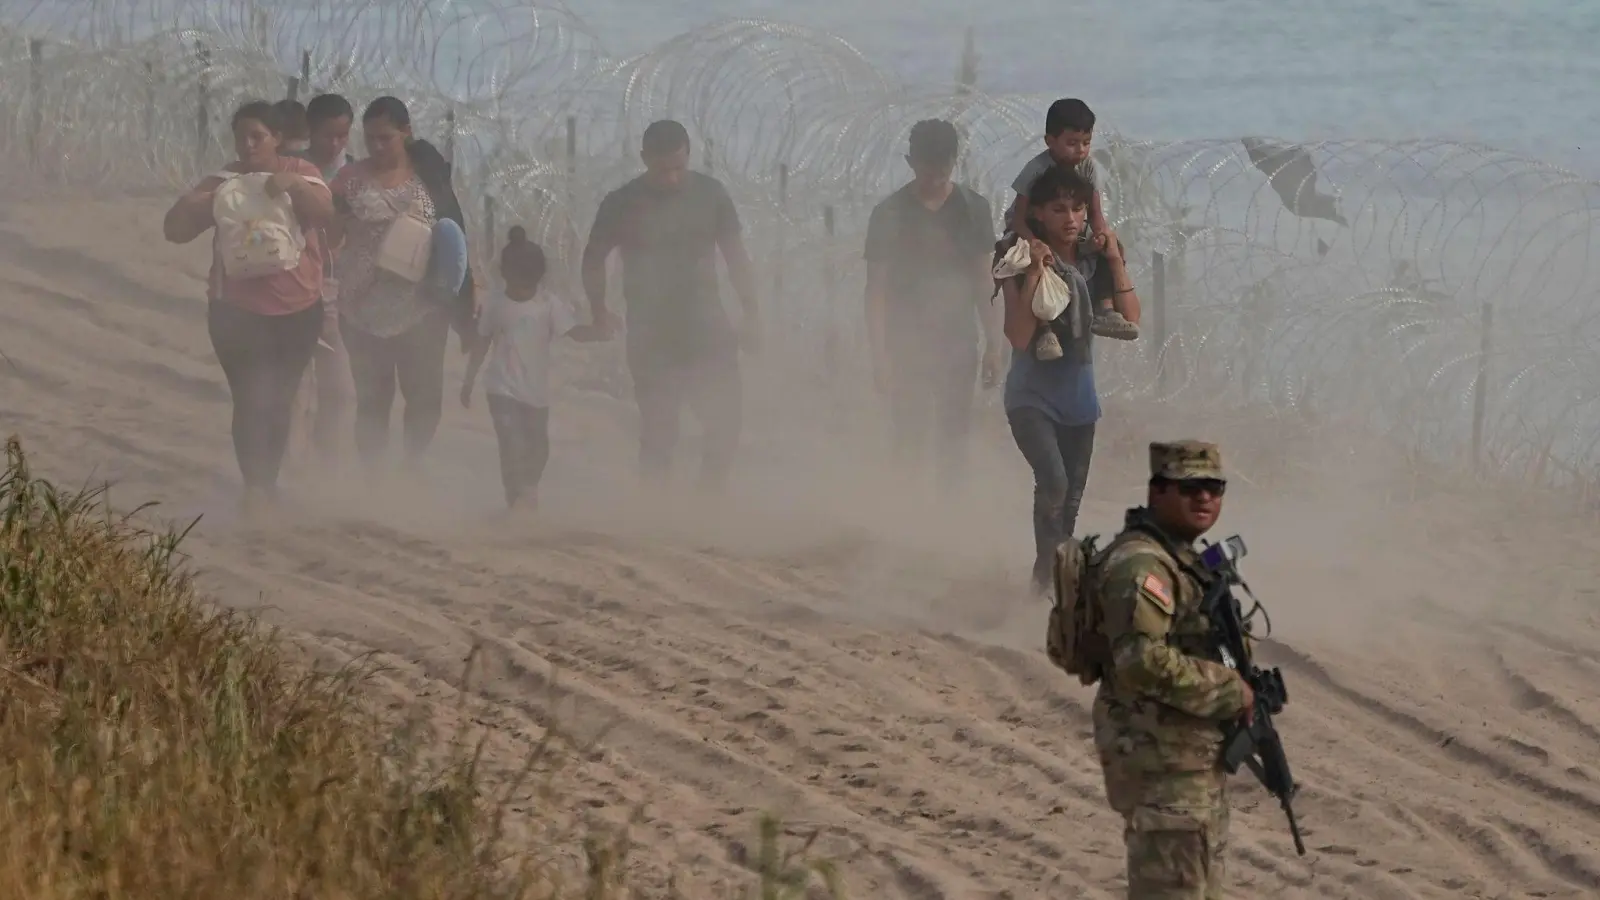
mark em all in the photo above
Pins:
pixel 413 360
pixel 263 358
pixel 1059 456
pixel 710 386
pixel 523 433
pixel 930 407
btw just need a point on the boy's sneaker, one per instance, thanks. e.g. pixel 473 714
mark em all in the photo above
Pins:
pixel 1048 347
pixel 1110 324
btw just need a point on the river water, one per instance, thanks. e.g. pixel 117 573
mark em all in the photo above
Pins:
pixel 1519 76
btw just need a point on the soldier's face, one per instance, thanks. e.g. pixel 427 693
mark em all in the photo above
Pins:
pixel 1189 508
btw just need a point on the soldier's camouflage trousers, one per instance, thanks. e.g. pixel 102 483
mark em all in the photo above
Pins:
pixel 1177 836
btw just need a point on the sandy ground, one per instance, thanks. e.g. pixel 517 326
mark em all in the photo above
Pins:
pixel 828 643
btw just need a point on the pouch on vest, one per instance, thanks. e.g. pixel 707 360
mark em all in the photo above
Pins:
pixel 1073 639
pixel 257 235
pixel 406 246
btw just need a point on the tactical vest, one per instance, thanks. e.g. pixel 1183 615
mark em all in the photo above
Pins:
pixel 1146 735
pixel 1191 630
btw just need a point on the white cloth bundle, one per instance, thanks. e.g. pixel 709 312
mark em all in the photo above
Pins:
pixel 1054 296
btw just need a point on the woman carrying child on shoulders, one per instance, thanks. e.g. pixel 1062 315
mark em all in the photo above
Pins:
pixel 518 328
pixel 1050 399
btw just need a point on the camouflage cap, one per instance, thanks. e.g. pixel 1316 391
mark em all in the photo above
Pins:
pixel 1185 460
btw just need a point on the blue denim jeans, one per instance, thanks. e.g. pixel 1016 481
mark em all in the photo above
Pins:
pixel 1059 456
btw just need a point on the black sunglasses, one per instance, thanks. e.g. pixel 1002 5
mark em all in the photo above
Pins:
pixel 1194 487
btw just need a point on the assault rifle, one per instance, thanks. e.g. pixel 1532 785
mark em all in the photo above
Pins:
pixel 1254 744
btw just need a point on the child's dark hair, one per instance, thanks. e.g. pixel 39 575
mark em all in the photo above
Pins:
pixel 521 260
pixel 1060 182
pixel 1068 114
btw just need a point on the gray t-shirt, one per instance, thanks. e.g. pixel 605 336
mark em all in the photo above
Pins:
pixel 1038 166
pixel 932 260
pixel 668 240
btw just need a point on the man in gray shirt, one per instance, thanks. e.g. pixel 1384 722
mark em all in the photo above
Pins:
pixel 928 253
pixel 669 225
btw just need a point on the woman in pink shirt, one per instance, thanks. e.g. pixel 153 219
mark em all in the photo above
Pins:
pixel 264 329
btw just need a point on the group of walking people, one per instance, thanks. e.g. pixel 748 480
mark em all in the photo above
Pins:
pixel 947 303
pixel 353 269
pixel 356 270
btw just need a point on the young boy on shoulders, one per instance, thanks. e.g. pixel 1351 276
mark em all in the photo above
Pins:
pixel 1068 137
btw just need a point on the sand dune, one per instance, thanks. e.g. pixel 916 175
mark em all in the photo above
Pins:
pixel 838 649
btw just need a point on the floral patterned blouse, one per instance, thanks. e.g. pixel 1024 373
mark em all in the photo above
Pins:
pixel 379 303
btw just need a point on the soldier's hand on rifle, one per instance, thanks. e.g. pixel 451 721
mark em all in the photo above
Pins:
pixel 1249 700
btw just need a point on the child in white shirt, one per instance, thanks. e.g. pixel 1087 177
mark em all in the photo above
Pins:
pixel 518 328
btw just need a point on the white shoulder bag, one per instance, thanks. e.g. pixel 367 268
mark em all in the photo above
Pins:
pixel 406 245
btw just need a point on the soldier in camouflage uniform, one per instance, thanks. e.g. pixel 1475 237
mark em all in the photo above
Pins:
pixel 1160 707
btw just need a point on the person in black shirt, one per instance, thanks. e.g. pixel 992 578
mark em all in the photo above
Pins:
pixel 669 224
pixel 929 250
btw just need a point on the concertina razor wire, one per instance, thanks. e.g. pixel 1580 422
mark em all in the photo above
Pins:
pixel 1337 281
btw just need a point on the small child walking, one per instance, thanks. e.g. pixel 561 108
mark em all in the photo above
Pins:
pixel 1068 137
pixel 517 329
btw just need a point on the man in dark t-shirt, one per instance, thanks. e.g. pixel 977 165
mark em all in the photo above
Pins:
pixel 669 224
pixel 929 250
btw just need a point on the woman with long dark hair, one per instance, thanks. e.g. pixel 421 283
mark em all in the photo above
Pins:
pixel 395 330
pixel 263 313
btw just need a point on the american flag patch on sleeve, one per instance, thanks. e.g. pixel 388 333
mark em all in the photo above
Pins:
pixel 1158 591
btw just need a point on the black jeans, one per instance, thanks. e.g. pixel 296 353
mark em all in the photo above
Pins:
pixel 263 358
pixel 930 406
pixel 1059 456
pixel 523 433
pixel 710 385
pixel 414 360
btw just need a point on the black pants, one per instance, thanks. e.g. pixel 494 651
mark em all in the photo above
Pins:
pixel 930 407
pixel 710 385
pixel 1059 456
pixel 523 433
pixel 413 360
pixel 263 358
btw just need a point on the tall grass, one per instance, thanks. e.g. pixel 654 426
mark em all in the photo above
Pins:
pixel 157 747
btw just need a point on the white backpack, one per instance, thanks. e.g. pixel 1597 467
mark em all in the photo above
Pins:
pixel 257 235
